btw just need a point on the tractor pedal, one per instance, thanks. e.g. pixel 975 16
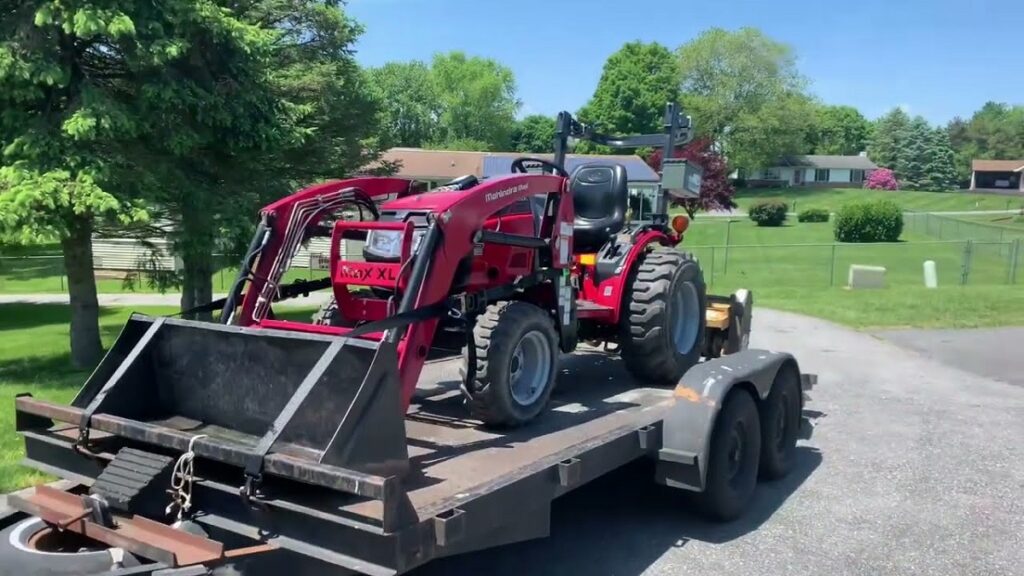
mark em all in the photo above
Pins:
pixel 136 482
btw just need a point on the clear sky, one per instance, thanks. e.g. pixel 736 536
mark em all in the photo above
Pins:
pixel 937 58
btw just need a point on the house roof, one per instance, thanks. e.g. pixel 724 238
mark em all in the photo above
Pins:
pixel 997 165
pixel 829 161
pixel 417 163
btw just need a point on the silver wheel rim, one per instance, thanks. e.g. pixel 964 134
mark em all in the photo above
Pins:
pixel 530 368
pixel 684 317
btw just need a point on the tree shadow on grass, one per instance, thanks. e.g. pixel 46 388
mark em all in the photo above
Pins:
pixel 21 316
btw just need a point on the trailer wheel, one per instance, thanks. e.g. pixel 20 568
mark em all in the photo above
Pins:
pixel 733 459
pixel 516 364
pixel 32 548
pixel 780 424
pixel 663 320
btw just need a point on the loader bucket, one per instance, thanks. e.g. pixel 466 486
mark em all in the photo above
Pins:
pixel 331 400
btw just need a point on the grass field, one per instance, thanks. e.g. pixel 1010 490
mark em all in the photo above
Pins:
pixel 833 198
pixel 805 256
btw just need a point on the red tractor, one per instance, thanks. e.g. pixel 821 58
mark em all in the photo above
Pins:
pixel 510 272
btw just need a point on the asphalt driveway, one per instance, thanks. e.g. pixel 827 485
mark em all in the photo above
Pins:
pixel 913 467
pixel 991 352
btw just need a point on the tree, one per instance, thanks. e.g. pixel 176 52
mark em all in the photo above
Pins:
pixel 636 83
pixel 913 157
pixel 477 100
pixel 410 106
pixel 69 75
pixel 889 137
pixel 840 130
pixel 535 133
pixel 745 93
pixel 941 167
pixel 716 191
pixel 285 108
pixel 994 132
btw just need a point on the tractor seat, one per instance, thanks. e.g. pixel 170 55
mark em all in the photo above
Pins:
pixel 600 196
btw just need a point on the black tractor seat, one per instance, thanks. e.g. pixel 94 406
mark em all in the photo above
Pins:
pixel 600 197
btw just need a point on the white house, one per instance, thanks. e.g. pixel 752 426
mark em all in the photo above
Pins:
pixel 814 170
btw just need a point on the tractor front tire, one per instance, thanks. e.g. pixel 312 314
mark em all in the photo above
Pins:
pixel 515 364
pixel 663 320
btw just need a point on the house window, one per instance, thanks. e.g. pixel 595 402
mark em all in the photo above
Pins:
pixel 856 176
pixel 771 174
pixel 821 175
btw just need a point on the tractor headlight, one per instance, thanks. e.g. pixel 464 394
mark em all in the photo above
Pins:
pixel 388 243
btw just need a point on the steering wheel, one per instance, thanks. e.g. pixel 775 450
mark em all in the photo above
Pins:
pixel 519 165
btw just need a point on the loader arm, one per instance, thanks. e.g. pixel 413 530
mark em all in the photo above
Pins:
pixel 283 227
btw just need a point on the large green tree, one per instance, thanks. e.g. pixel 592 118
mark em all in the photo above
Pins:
pixel 994 132
pixel 839 130
pixel 941 168
pixel 76 79
pixel 636 83
pixel 535 133
pixel 477 98
pixel 914 156
pixel 409 104
pixel 889 137
pixel 745 92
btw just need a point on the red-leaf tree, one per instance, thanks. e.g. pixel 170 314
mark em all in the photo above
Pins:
pixel 716 191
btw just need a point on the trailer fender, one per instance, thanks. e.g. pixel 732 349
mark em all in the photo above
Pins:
pixel 697 399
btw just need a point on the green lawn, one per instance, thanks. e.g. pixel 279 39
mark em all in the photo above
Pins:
pixel 833 198
pixel 805 256
pixel 34 358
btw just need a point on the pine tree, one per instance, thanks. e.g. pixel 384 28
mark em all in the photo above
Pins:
pixel 913 156
pixel 941 161
pixel 889 139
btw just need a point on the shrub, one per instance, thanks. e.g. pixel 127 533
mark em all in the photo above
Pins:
pixel 768 212
pixel 881 179
pixel 813 215
pixel 874 221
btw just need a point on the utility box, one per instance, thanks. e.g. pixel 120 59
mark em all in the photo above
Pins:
pixel 866 277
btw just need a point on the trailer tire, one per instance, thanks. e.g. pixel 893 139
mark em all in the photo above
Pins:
pixel 663 321
pixel 780 424
pixel 19 555
pixel 733 458
pixel 511 340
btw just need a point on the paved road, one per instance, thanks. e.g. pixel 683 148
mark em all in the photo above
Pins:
pixel 991 352
pixel 912 467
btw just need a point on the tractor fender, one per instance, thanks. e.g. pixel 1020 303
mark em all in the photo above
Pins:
pixel 696 402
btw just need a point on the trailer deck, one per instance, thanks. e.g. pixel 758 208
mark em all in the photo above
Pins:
pixel 468 487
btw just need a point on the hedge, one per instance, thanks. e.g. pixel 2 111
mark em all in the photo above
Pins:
pixel 873 221
pixel 813 215
pixel 768 212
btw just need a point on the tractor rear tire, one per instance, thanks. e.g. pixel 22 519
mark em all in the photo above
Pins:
pixel 663 321
pixel 516 364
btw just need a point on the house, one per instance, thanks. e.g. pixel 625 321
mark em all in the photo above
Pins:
pixel 1001 175
pixel 814 170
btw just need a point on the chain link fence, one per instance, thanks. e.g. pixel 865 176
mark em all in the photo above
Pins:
pixel 827 265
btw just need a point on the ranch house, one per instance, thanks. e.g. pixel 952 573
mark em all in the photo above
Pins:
pixel 814 170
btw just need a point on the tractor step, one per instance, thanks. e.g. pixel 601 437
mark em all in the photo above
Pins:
pixel 588 309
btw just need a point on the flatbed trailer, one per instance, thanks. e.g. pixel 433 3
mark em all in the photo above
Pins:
pixel 468 488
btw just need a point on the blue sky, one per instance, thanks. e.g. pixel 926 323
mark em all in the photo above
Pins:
pixel 937 58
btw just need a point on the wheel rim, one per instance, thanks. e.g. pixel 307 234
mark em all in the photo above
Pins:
pixel 685 318
pixel 530 368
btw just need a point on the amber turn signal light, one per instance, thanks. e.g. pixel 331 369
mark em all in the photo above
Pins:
pixel 680 223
